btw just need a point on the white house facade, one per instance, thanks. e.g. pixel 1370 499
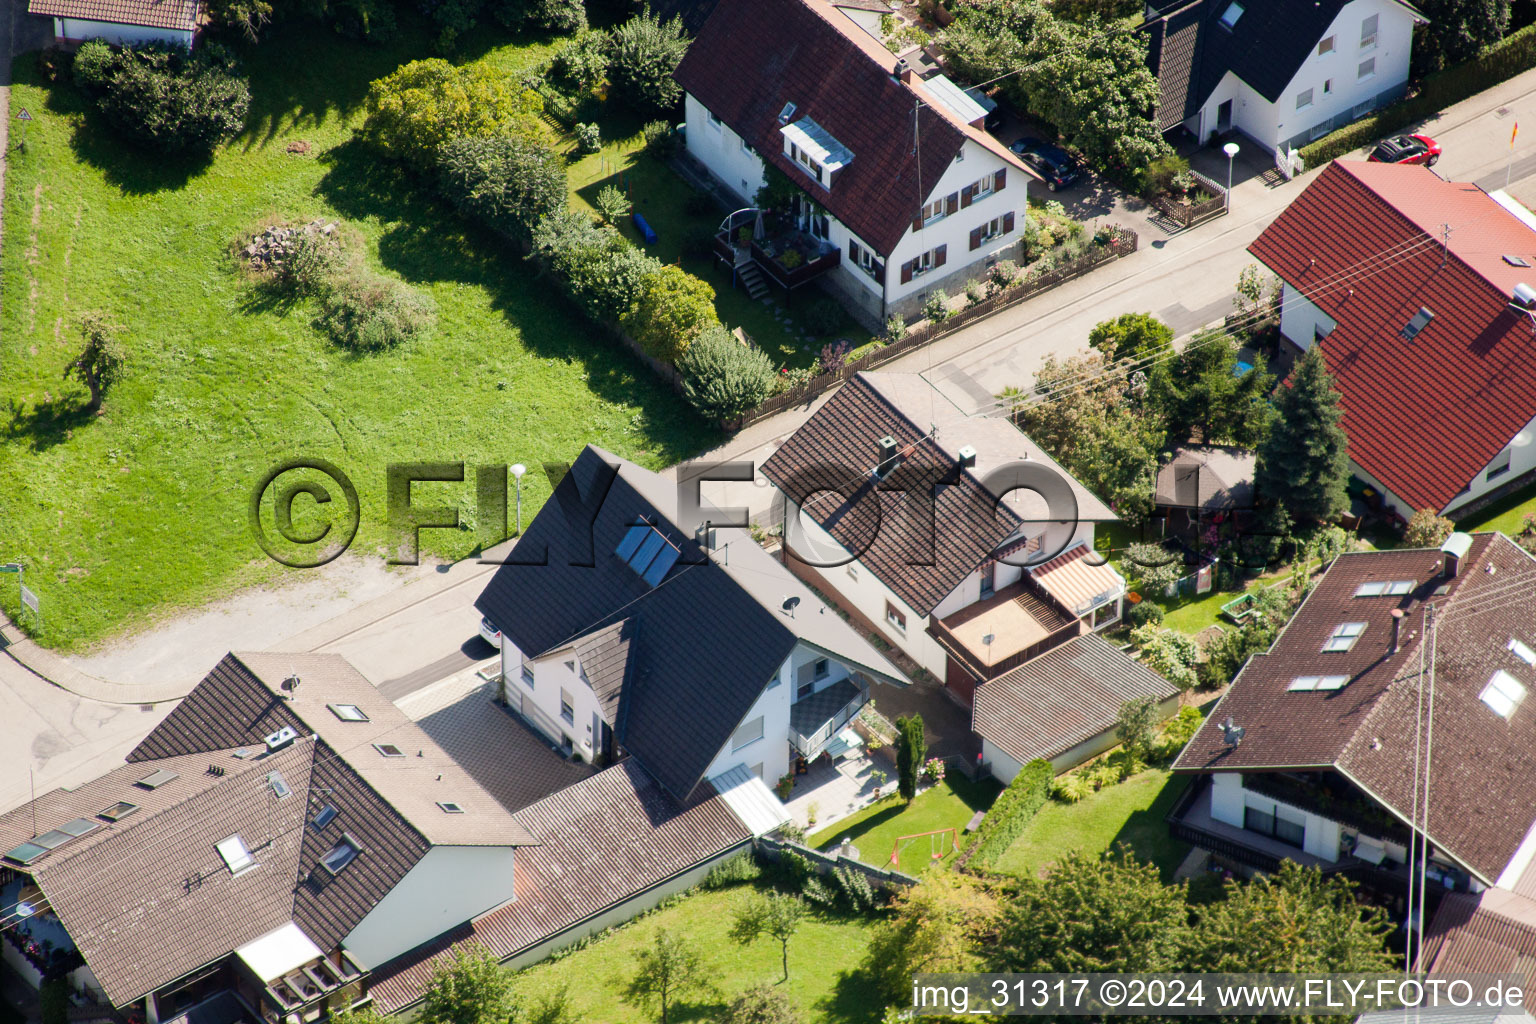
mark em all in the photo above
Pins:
pixel 122 22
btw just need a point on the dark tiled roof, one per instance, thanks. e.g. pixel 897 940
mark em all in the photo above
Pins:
pixel 604 841
pixel 1483 764
pixel 172 14
pixel 1067 695
pixel 604 655
pixel 1210 477
pixel 692 13
pixel 229 708
pixel 919 560
pixel 1465 385
pixel 680 698
pixel 754 56
pixel 1190 50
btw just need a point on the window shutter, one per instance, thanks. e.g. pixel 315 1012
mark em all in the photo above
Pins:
pixel 880 272
pixel 1001 180
pixel 965 195
pixel 853 250
pixel 917 222
pixel 1007 222
pixel 939 254
pixel 951 203
pixel 906 272
pixel 975 239
pixel 806 673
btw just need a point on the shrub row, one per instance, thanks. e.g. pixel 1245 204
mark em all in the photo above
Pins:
pixel 1012 812
pixel 1501 61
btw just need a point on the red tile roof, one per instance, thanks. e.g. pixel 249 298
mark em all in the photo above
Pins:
pixel 1364 242
pixel 171 14
pixel 754 56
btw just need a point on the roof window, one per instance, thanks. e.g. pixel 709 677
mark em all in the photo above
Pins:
pixel 389 750
pixel 1503 693
pixel 1420 321
pixel 236 854
pixel 323 817
pixel 26 853
pixel 348 712
pixel 280 787
pixel 450 808
pixel 118 811
pixel 786 113
pixel 1318 683
pixel 157 778
pixel 1522 652
pixel 1344 636
pixel 343 853
pixel 1516 261
pixel 1231 14
pixel 647 552
pixel 1384 588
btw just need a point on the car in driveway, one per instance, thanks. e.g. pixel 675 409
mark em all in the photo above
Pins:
pixel 1051 162
pixel 490 634
pixel 1406 149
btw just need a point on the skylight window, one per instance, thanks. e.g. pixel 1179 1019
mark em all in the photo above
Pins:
pixel 1318 683
pixel 1231 14
pixel 323 817
pixel 343 853
pixel 79 827
pixel 389 750
pixel 348 712
pixel 1420 321
pixel 26 853
pixel 450 808
pixel 118 811
pixel 280 787
pixel 1503 693
pixel 1344 636
pixel 1522 652
pixel 647 552
pixel 1384 588
pixel 236 854
pixel 786 113
pixel 158 778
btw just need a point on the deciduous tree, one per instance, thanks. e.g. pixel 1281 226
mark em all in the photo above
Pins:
pixel 774 914
pixel 507 182
pixel 1201 396
pixel 664 971
pixel 472 988
pixel 941 925
pixel 1304 461
pixel 642 56
pixel 414 112
pixel 1457 30
pixel 1427 530
pixel 673 308
pixel 1136 336
pixel 100 363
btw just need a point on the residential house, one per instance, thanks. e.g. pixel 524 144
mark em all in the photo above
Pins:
pixel 900 190
pixel 122 22
pixel 1282 73
pixel 1063 706
pixel 288 842
pixel 1321 750
pixel 1199 480
pixel 890 504
pixel 627 631
pixel 1422 295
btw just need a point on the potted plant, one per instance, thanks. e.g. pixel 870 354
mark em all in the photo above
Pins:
pixel 789 259
pixel 784 787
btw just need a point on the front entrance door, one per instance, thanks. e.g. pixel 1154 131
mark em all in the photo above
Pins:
pixel 1224 116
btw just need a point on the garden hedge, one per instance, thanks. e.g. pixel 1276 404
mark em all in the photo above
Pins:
pixel 1501 61
pixel 1012 812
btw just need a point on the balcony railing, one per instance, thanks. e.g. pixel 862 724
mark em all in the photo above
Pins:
pixel 1048 615
pixel 815 255
pixel 809 730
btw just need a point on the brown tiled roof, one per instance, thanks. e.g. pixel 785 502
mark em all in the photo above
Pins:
pixel 1067 695
pixel 1206 476
pixel 1493 932
pixel 838 447
pixel 1483 766
pixel 754 56
pixel 171 14
pixel 604 841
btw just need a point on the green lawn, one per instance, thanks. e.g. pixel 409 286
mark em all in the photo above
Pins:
pixel 142 510
pixel 875 830
pixel 824 956
pixel 1506 515
pixel 660 196
pixel 1131 813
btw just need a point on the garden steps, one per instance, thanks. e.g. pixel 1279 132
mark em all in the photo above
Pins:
pixel 752 279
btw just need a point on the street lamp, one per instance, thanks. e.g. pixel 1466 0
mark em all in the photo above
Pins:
pixel 1231 150
pixel 517 472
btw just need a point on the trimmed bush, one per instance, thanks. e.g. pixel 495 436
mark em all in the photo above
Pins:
pixel 739 870
pixel 661 142
pixel 722 378
pixel 369 312
pixel 1147 612
pixel 601 270
pixel 418 109
pixel 1013 810
pixel 1501 61
pixel 164 96
pixel 505 182
pixel 673 308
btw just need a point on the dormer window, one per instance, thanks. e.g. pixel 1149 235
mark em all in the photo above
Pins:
pixel 814 150
pixel 1344 636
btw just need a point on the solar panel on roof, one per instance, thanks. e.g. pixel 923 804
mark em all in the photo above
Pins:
pixel 648 549
pixel 660 565
pixel 26 853
pixel 632 538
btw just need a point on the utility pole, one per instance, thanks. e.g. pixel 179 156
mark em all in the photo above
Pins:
pixel 1445 244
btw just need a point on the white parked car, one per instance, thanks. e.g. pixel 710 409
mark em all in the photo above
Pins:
pixel 490 634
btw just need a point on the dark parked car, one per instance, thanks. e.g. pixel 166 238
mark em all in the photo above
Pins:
pixel 1406 149
pixel 1051 162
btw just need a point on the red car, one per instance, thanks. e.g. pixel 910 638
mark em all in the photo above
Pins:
pixel 1406 149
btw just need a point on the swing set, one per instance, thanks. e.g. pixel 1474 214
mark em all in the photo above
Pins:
pixel 935 844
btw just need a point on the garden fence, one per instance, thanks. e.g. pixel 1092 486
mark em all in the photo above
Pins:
pixel 825 864
pixel 1188 216
pixel 1122 242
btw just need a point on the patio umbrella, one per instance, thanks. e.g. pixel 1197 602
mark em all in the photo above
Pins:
pixel 758 231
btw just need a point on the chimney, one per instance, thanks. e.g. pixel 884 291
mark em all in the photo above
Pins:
pixel 967 457
pixel 888 455
pixel 1397 628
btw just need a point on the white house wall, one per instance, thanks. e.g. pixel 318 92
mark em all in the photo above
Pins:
pixel 1001 764
pixel 1522 459
pixel 1229 800
pixel 1394 44
pixel 1301 320
pixel 969 590
pixel 550 676
pixel 78 30
pixel 717 147
pixel 772 751
pixel 447 887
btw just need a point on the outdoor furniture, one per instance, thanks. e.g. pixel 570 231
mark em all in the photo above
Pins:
pixel 844 743
pixel 646 231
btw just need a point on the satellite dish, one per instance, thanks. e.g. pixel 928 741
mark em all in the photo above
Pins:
pixel 790 604
pixel 1232 734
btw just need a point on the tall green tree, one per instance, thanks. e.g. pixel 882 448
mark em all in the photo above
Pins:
pixel 472 988
pixel 940 925
pixel 664 971
pixel 1295 920
pixel 1304 462
pixel 911 748
pixel 1457 30
pixel 642 55
pixel 1138 336
pixel 1094 912
pixel 775 914
pixel 1202 397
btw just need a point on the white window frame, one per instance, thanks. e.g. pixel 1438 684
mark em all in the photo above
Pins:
pixel 567 706
pixel 1369 31
pixel 1499 466
pixel 1503 693
pixel 984 186
pixel 1344 637
pixel 922 264
pixel 714 122
pixel 527 675
pixel 746 729
pixel 1367 69
pixel 331 855
pixel 1304 99
pixel 235 854
pixel 1327 45
pixel 895 618
pixel 992 229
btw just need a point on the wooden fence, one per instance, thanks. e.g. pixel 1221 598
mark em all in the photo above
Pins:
pixel 1188 216
pixel 1122 242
